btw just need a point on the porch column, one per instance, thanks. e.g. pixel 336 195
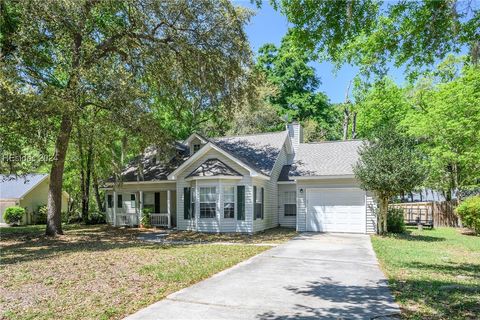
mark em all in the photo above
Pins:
pixel 114 208
pixel 169 196
pixel 197 204
pixel 140 206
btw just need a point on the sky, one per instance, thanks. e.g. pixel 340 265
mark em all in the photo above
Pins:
pixel 269 26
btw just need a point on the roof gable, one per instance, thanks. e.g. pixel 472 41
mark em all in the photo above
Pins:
pixel 16 187
pixel 213 167
pixel 203 151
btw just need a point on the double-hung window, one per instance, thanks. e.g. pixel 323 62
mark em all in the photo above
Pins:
pixel 132 200
pixel 229 202
pixel 290 204
pixel 119 201
pixel 258 195
pixel 109 201
pixel 208 202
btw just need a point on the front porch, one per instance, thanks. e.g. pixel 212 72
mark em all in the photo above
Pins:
pixel 126 207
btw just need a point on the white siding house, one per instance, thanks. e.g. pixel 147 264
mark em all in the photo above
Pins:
pixel 246 184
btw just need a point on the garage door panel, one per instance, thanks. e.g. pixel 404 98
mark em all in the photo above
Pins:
pixel 336 210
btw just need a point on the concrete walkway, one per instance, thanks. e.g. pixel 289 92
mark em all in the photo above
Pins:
pixel 328 276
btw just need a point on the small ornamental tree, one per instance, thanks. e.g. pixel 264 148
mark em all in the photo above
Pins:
pixel 388 165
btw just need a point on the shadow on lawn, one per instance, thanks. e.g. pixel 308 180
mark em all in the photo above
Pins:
pixel 36 246
pixel 340 301
pixel 454 269
pixel 410 236
pixel 446 299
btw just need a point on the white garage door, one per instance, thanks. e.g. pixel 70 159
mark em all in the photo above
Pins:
pixel 336 210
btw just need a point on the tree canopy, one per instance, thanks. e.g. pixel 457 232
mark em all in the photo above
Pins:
pixel 371 33
pixel 298 96
pixel 66 61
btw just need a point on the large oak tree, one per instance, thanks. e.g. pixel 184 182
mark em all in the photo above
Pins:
pixel 63 59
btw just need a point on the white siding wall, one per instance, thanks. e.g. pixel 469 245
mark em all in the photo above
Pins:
pixel 270 219
pixel 290 221
pixel 330 183
pixel 295 132
pixel 220 224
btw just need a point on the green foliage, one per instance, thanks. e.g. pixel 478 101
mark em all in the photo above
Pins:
pixel 469 212
pixel 390 164
pixel 369 34
pixel 145 221
pixel 395 221
pixel 13 215
pixel 297 97
pixel 40 215
pixel 382 106
pixel 112 77
pixel 95 217
pixel 446 119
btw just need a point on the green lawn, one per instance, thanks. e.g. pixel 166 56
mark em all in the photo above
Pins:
pixel 99 272
pixel 434 274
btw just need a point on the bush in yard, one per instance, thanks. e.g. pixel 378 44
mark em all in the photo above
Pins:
pixel 13 215
pixel 469 212
pixel 395 221
pixel 96 217
pixel 146 217
pixel 41 214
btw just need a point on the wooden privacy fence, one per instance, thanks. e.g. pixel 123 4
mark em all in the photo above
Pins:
pixel 435 214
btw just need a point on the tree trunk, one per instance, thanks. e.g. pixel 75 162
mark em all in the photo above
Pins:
pixel 346 119
pixel 97 193
pixel 382 216
pixel 88 174
pixel 82 171
pixel 54 202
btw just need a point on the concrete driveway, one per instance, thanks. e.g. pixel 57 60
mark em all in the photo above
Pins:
pixel 312 276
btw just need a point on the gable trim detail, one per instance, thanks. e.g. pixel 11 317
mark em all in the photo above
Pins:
pixel 209 146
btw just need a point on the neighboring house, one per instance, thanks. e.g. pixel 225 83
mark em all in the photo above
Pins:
pixel 246 184
pixel 29 191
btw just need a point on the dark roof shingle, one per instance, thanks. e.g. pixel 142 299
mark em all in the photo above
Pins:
pixel 325 158
pixel 259 151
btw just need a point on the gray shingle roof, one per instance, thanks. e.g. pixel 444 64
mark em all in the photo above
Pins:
pixel 259 151
pixel 151 170
pixel 213 167
pixel 14 187
pixel 324 159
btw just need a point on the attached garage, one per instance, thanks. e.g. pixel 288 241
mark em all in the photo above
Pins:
pixel 336 210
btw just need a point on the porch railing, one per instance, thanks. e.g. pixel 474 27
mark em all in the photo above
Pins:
pixel 160 220
pixel 126 219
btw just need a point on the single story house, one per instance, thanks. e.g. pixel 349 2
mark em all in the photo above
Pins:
pixel 27 191
pixel 246 184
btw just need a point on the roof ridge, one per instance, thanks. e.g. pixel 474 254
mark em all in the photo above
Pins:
pixel 334 141
pixel 250 134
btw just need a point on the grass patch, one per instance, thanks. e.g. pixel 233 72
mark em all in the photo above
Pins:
pixel 99 272
pixel 434 274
